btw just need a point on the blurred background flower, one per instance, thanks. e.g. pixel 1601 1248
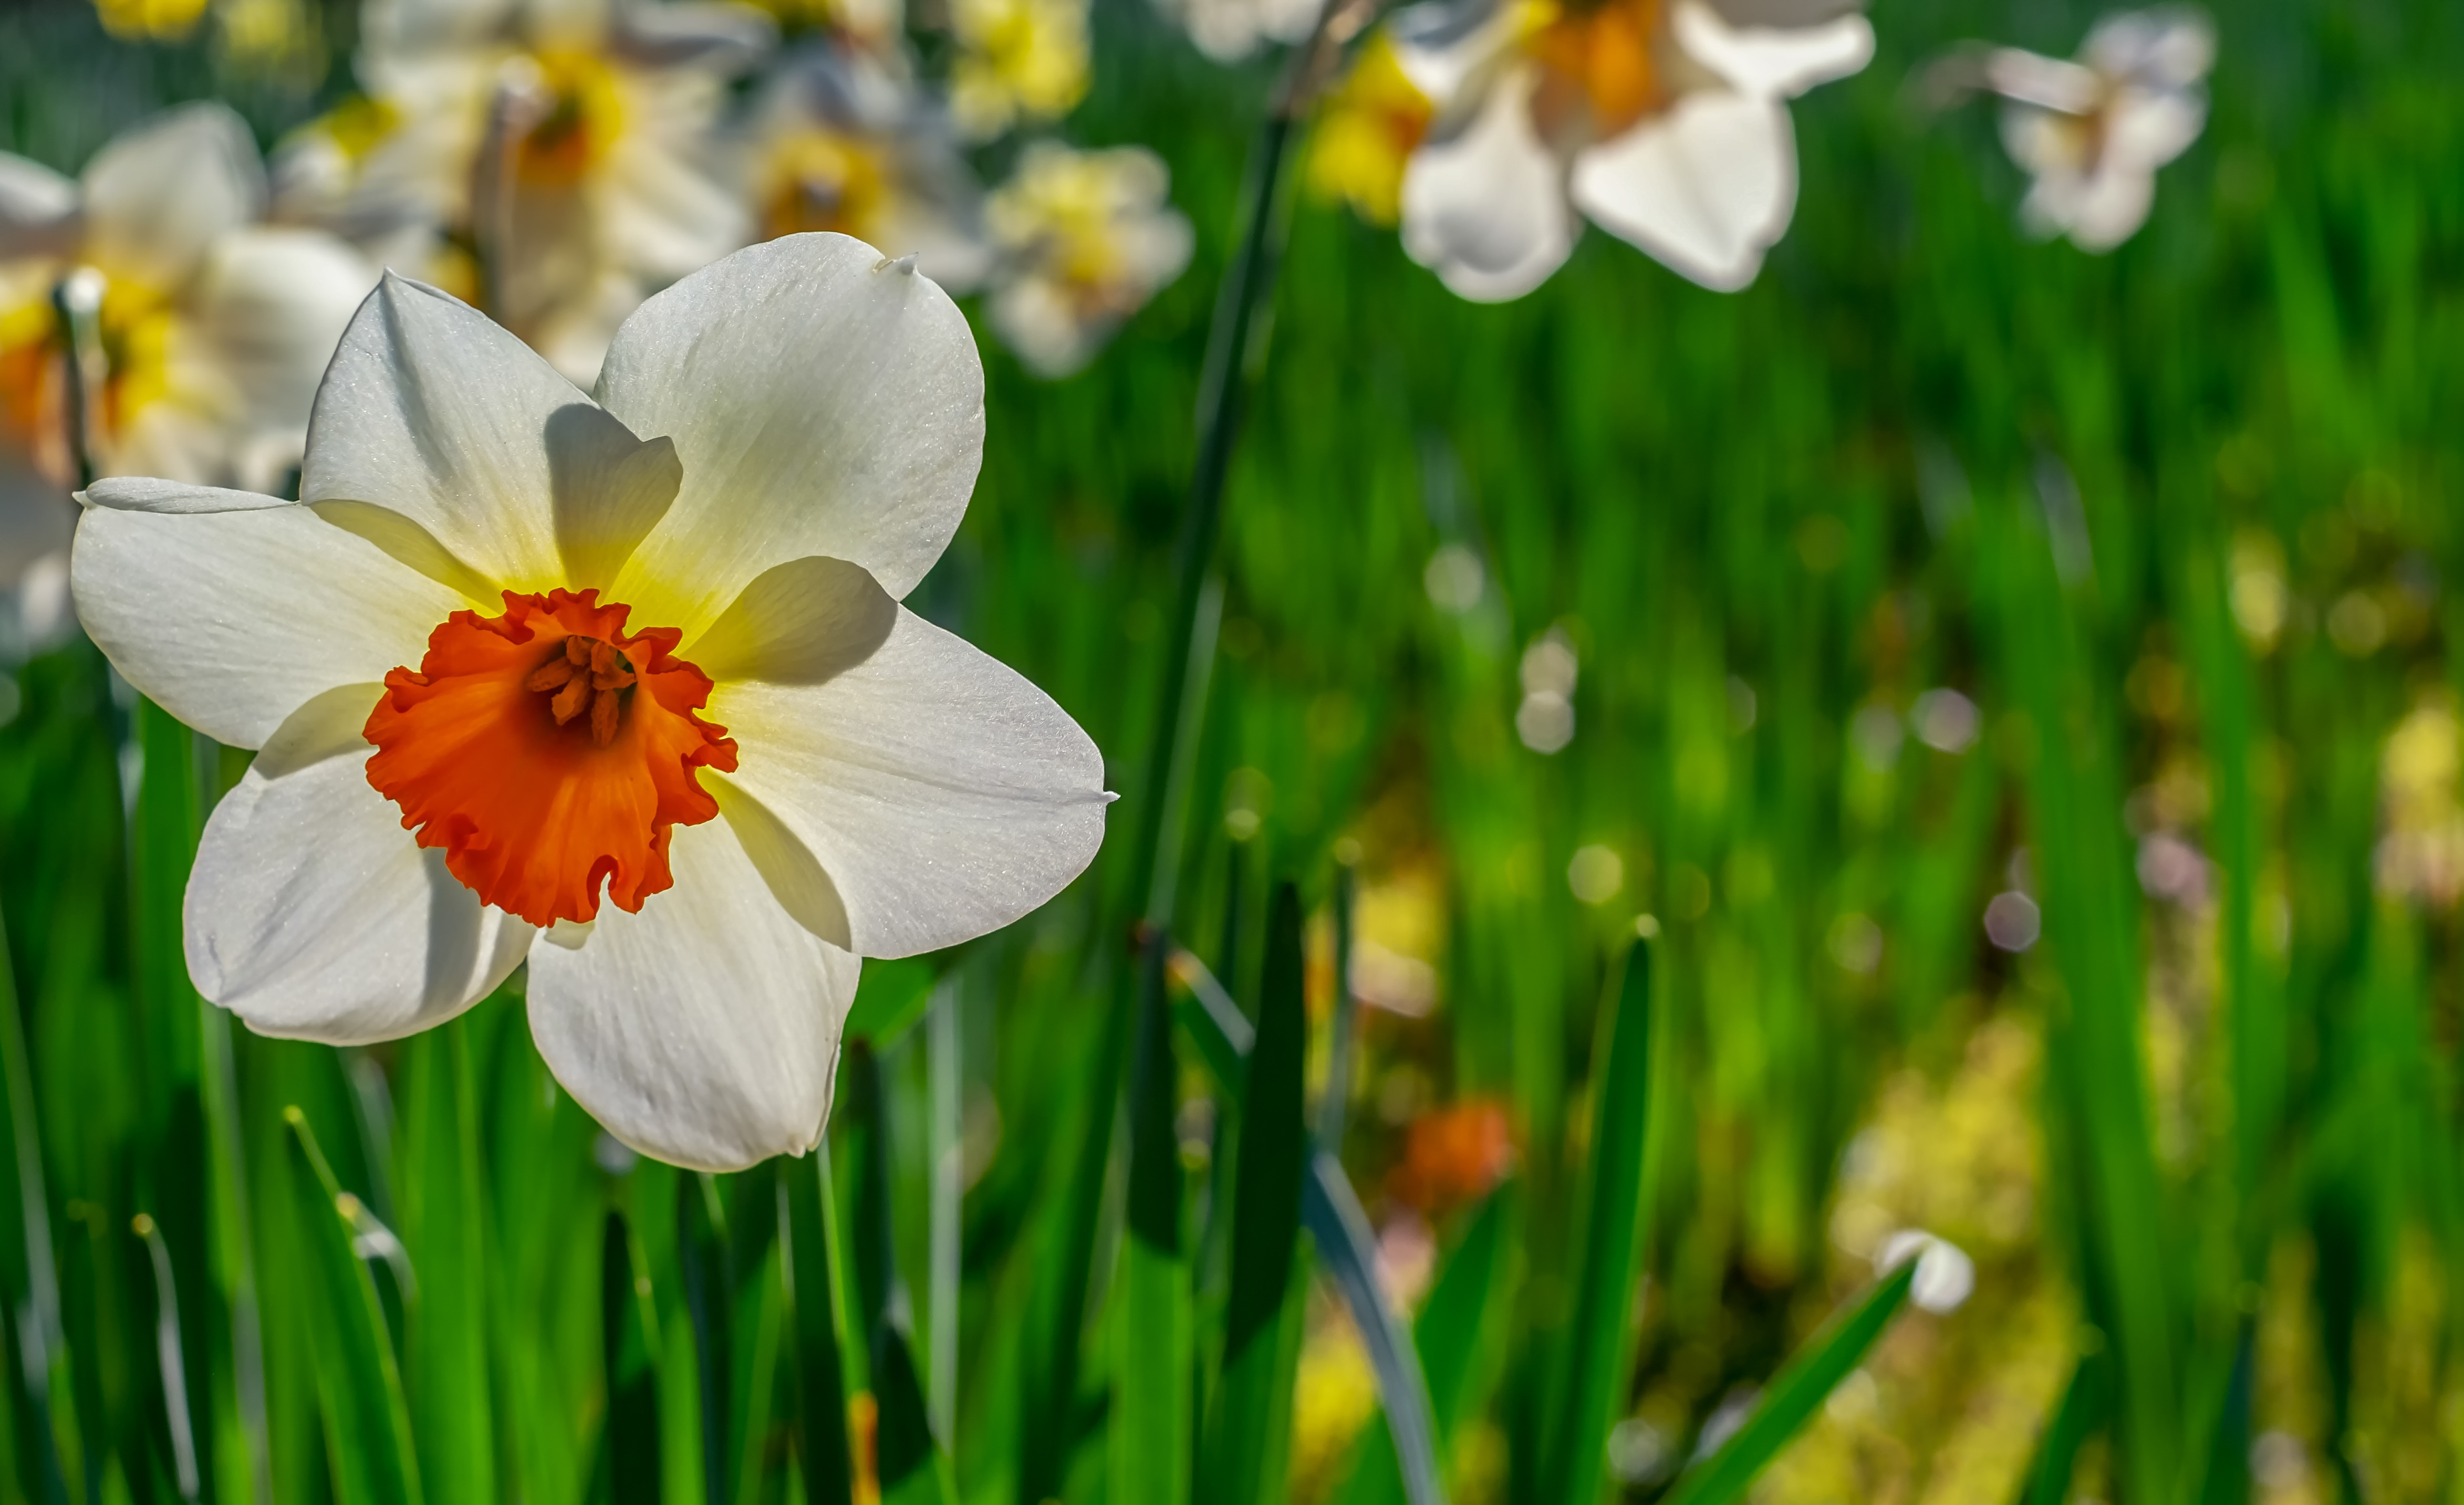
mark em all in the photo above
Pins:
pixel 1665 123
pixel 195 333
pixel 1086 237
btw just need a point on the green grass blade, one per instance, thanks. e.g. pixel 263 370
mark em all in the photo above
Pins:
pixel 1809 1379
pixel 1152 1320
pixel 701 1249
pixel 2083 1409
pixel 1248 1436
pixel 1458 1323
pixel 629 1447
pixel 358 1387
pixel 1599 1346
pixel 1347 1249
pixel 913 1468
pixel 822 1448
pixel 439 1192
pixel 32 1288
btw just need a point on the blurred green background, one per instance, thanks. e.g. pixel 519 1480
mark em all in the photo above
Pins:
pixel 1938 566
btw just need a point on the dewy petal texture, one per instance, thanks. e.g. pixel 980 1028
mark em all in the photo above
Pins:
pixel 821 402
pixel 231 620
pixel 312 915
pixel 943 794
pixel 705 1028
pixel 432 411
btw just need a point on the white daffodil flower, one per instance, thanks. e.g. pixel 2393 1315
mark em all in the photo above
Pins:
pixel 629 668
pixel 1018 60
pixel 2093 132
pixel 212 328
pixel 844 143
pixel 1665 123
pixel 554 161
pixel 1087 237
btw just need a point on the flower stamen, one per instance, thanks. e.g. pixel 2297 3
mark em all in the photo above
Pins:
pixel 533 814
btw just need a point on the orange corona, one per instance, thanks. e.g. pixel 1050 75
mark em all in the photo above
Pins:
pixel 548 750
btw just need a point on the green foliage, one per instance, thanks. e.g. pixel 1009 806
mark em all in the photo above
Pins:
pixel 1802 1386
pixel 2177 523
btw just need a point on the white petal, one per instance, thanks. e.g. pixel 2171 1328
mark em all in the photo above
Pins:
pixel 704 1030
pixel 1706 187
pixel 2171 45
pixel 158 195
pixel 1775 62
pixel 2048 83
pixel 432 411
pixel 1444 48
pixel 2146 128
pixel 233 619
pixel 823 403
pixel 2099 211
pixel 1486 209
pixel 269 307
pixel 941 793
pixel 312 914
pixel 37 207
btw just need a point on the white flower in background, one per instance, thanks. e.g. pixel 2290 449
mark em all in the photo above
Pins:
pixel 522 651
pixel 1086 238
pixel 843 143
pixel 1665 123
pixel 554 161
pixel 1018 60
pixel 2093 132
pixel 1228 31
pixel 214 329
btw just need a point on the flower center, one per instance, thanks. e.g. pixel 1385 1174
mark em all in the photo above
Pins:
pixel 1597 74
pixel 549 751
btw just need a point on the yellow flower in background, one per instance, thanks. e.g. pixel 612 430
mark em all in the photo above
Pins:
pixel 1019 60
pixel 1366 134
pixel 1663 121
pixel 1085 238
pixel 209 330
pixel 842 143
pixel 518 674
pixel 557 162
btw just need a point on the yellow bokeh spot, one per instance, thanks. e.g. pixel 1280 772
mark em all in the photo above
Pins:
pixel 584 112
pixel 1371 125
pixel 149 20
pixel 360 125
pixel 140 329
pixel 1020 58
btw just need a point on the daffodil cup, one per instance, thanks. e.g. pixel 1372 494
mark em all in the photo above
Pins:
pixel 624 672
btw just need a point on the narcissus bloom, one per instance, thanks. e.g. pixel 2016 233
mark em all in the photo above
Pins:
pixel 1018 60
pixel 1665 121
pixel 845 142
pixel 2093 132
pixel 626 671
pixel 1367 131
pixel 1085 238
pixel 556 161
pixel 212 328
